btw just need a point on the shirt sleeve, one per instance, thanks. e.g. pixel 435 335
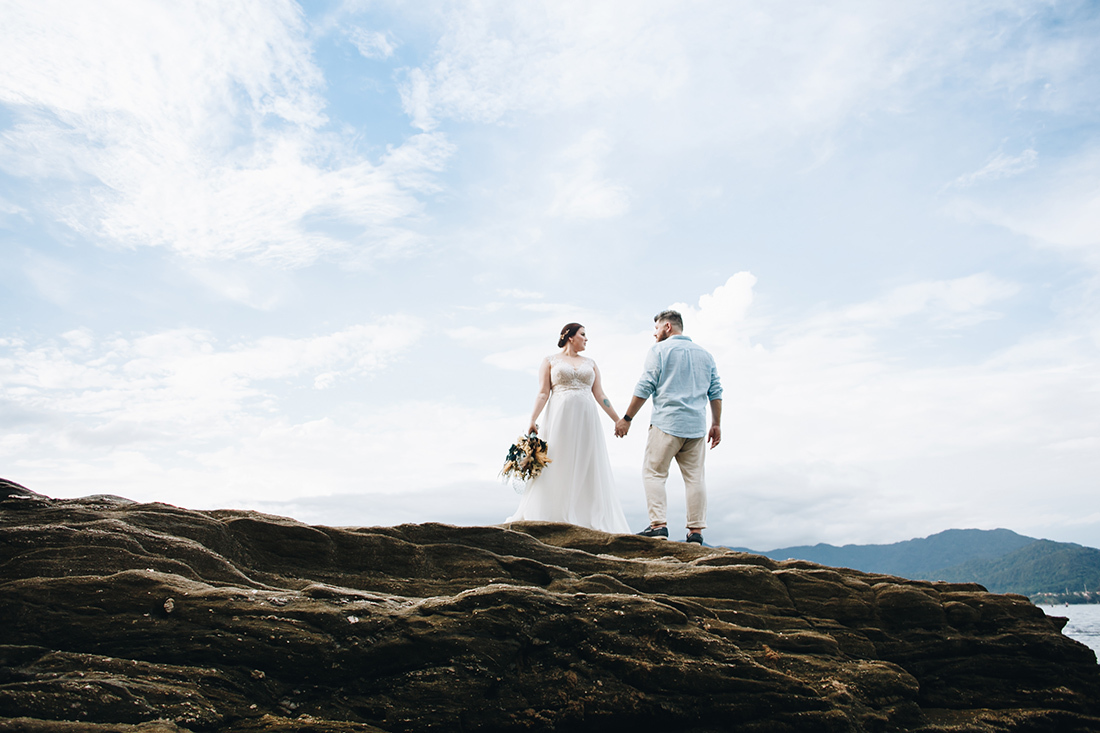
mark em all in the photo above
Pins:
pixel 651 375
pixel 715 391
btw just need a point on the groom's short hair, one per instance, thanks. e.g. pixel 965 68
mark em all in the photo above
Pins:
pixel 672 317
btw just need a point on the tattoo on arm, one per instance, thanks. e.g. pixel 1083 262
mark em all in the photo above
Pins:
pixel 607 402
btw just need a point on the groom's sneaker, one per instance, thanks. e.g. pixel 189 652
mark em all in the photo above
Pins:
pixel 655 532
pixel 696 537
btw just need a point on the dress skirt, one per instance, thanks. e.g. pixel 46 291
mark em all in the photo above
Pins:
pixel 577 486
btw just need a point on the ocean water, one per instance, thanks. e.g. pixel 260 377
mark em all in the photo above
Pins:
pixel 1084 623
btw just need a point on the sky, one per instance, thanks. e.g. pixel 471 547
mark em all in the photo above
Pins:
pixel 305 258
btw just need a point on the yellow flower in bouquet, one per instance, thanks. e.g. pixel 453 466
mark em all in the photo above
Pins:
pixel 526 459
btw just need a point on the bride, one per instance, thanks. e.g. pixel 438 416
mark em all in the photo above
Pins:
pixel 577 485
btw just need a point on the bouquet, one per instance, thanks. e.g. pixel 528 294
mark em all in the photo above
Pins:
pixel 526 459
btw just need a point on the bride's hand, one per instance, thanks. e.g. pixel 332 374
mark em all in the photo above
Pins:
pixel 533 429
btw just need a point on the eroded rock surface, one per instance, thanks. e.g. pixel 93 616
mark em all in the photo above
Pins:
pixel 117 616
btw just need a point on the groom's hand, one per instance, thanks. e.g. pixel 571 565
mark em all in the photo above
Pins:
pixel 714 436
pixel 622 428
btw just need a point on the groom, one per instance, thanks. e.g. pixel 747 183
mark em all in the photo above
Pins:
pixel 682 378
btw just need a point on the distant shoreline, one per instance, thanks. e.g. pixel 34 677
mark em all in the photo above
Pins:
pixel 1070 599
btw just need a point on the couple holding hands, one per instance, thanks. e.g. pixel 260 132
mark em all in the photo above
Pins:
pixel 577 486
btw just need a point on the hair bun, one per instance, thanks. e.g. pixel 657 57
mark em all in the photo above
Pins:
pixel 568 331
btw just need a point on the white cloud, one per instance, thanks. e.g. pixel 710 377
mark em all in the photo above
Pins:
pixel 372 44
pixel 957 303
pixel 582 192
pixel 182 381
pixel 1058 208
pixel 839 392
pixel 9 210
pixel 53 279
pixel 1068 219
pixel 520 294
pixel 1001 166
pixel 199 128
pixel 728 72
pixel 494 59
pixel 262 288
pixel 720 314
pixel 832 435
pixel 177 416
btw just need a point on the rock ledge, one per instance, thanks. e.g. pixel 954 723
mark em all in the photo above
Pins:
pixel 118 616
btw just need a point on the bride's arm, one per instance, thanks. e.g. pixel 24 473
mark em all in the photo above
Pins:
pixel 601 398
pixel 542 396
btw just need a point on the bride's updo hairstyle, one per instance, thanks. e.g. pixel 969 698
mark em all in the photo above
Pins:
pixel 568 332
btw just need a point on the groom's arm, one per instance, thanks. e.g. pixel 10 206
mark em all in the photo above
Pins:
pixel 714 435
pixel 714 395
pixel 623 426
pixel 647 385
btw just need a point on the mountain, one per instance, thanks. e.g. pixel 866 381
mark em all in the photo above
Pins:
pixel 1039 568
pixel 1000 559
pixel 917 558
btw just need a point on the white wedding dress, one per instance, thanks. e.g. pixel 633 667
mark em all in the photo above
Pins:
pixel 577 486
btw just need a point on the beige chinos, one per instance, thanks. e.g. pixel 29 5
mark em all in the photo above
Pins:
pixel 660 449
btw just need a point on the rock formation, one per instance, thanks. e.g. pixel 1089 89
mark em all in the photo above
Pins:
pixel 118 616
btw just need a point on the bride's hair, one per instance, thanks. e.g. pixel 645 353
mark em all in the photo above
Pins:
pixel 568 332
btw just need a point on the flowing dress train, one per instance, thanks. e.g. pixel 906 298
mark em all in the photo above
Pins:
pixel 577 486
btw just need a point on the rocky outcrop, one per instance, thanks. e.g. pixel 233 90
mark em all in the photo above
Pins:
pixel 117 616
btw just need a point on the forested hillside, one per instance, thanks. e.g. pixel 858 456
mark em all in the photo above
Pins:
pixel 1000 559
pixel 1041 567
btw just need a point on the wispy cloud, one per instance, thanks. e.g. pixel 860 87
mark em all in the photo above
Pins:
pixel 736 68
pixel 372 44
pixel 951 304
pixel 1001 166
pixel 183 381
pixel 1059 208
pixel 582 191
pixel 203 131
pixel 498 58
pixel 11 209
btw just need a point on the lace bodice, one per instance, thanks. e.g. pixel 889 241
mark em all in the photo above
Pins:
pixel 566 376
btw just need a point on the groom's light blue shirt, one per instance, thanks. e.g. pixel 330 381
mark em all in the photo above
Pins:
pixel 682 378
